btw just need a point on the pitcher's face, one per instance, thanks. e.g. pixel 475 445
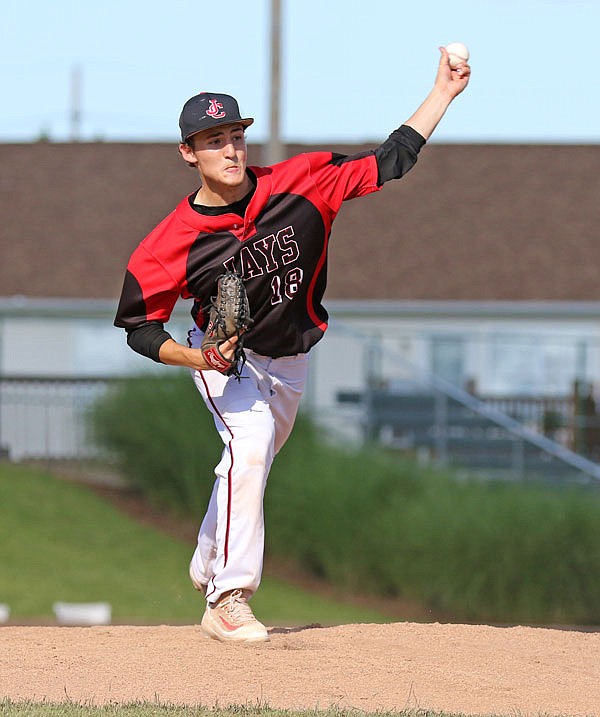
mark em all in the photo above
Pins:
pixel 219 154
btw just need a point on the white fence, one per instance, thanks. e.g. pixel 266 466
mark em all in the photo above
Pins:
pixel 47 417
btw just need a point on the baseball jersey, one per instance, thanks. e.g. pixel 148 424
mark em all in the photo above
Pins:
pixel 279 246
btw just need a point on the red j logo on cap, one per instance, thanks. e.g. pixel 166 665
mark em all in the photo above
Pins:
pixel 214 110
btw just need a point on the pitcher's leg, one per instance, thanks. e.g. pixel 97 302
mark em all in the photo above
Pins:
pixel 242 476
pixel 281 382
pixel 202 563
pixel 231 540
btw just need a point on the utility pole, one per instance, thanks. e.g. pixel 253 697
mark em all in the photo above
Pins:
pixel 75 109
pixel 274 147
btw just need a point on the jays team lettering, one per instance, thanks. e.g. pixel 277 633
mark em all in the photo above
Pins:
pixel 271 252
pixel 279 246
pixel 250 263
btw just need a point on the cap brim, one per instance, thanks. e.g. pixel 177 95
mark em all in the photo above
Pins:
pixel 246 122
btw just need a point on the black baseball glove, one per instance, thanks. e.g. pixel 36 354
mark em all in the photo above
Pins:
pixel 229 316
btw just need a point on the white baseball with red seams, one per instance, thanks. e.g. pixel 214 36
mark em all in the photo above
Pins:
pixel 458 53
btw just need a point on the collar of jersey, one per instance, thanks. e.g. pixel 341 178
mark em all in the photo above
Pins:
pixel 261 177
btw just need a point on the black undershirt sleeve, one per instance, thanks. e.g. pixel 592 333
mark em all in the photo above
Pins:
pixel 398 153
pixel 147 339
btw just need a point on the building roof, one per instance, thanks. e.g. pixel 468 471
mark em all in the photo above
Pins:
pixel 469 223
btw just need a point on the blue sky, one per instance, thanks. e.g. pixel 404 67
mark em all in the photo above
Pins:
pixel 351 70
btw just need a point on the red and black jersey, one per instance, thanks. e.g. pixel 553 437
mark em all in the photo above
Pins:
pixel 279 246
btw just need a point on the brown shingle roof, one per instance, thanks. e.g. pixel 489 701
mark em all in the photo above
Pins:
pixel 469 222
pixel 72 213
pixel 477 223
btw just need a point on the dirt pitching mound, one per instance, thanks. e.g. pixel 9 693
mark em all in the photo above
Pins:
pixel 457 668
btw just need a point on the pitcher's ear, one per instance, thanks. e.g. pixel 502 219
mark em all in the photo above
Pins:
pixel 186 151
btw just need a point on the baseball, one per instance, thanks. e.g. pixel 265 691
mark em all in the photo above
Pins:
pixel 458 52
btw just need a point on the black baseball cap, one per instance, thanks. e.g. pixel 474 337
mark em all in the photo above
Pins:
pixel 209 109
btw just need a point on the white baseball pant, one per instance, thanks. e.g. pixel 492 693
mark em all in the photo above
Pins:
pixel 254 417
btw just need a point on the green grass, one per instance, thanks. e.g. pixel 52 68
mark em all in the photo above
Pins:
pixel 61 542
pixel 144 709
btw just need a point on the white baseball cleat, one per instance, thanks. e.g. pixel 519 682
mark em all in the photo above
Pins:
pixel 232 620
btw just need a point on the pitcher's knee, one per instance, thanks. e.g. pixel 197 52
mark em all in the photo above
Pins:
pixel 259 448
pixel 254 443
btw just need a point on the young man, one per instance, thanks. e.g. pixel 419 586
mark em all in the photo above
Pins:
pixel 271 225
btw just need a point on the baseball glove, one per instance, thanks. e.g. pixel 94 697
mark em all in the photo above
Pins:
pixel 229 316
